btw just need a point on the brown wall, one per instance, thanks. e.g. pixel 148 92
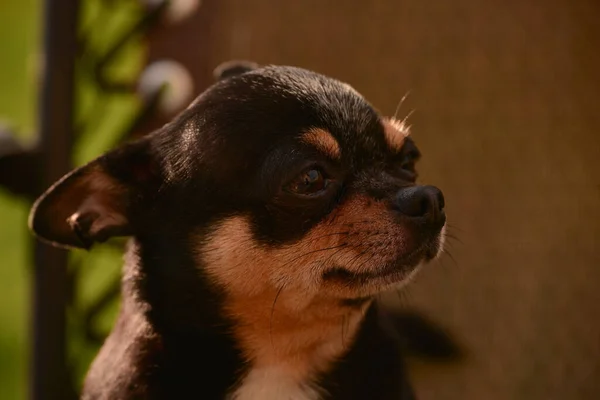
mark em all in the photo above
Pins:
pixel 508 117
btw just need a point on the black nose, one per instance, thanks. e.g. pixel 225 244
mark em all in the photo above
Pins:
pixel 421 201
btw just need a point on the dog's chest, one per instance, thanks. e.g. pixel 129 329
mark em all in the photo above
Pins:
pixel 288 374
pixel 272 383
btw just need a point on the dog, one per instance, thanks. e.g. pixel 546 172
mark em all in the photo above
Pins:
pixel 264 221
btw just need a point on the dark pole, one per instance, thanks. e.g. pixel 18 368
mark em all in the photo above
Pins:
pixel 49 374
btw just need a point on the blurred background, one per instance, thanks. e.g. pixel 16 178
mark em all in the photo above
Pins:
pixel 505 108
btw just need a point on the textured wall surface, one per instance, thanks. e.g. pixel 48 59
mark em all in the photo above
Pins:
pixel 508 118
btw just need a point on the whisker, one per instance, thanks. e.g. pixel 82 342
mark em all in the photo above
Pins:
pixel 451 257
pixel 399 296
pixel 366 221
pixel 314 251
pixel 366 261
pixel 324 263
pixel 448 246
pixel 400 104
pixel 272 313
pixel 454 227
pixel 328 235
pixel 349 264
pixel 343 329
pixel 440 260
pixel 403 294
pixel 453 237
pixel 320 237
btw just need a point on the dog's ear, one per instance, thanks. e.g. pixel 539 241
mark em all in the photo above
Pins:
pixel 233 68
pixel 94 202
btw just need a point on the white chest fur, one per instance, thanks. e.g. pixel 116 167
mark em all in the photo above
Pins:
pixel 273 383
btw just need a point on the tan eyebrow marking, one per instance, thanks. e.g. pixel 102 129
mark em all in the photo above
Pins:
pixel 324 141
pixel 396 131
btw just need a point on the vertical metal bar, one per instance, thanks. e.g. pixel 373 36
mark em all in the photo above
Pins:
pixel 49 374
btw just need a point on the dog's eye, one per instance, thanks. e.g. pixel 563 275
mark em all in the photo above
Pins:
pixel 405 168
pixel 308 183
pixel 408 165
pixel 407 162
pixel 408 157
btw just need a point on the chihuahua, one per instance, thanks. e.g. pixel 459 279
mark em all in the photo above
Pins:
pixel 264 221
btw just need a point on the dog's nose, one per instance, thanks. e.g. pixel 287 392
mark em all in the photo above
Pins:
pixel 421 201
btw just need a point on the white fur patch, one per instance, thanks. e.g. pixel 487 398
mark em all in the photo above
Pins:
pixel 273 383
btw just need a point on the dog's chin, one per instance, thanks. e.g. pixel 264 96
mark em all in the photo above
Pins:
pixel 398 272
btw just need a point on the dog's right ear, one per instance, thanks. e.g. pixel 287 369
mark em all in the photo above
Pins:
pixel 233 68
pixel 94 202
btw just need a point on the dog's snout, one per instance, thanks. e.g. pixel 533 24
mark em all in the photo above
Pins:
pixel 421 201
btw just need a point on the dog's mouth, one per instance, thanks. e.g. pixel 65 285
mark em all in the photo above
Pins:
pixel 393 272
pixel 390 273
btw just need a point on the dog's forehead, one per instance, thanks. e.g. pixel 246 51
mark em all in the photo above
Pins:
pixel 242 119
pixel 274 102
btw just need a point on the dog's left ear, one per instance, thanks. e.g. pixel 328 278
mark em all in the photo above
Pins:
pixel 233 68
pixel 95 202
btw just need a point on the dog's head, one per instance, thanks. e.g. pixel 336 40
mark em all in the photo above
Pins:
pixel 275 177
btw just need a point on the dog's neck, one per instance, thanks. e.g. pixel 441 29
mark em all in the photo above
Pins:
pixel 282 344
pixel 194 352
pixel 288 346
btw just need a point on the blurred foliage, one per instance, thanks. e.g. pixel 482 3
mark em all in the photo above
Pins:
pixel 101 119
pixel 20 23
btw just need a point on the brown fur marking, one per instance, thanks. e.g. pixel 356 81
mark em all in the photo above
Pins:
pixel 286 314
pixel 323 141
